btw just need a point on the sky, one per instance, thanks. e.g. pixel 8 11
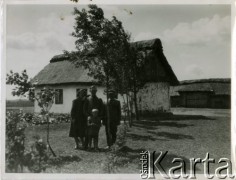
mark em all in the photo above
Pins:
pixel 196 39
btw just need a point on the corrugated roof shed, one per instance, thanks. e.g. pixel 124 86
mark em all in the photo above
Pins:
pixel 217 86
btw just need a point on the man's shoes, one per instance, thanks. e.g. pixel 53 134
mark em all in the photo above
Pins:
pixel 89 149
pixel 84 148
pixel 108 147
pixel 96 150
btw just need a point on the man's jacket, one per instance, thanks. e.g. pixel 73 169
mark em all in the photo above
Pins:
pixel 114 112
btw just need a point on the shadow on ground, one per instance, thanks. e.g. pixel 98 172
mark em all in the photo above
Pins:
pixel 150 124
pixel 165 136
pixel 139 137
pixel 172 135
pixel 175 121
pixel 180 117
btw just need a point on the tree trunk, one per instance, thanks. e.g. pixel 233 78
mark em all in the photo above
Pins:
pixel 126 115
pixel 135 91
pixel 48 143
pixel 135 103
pixel 128 108
pixel 108 112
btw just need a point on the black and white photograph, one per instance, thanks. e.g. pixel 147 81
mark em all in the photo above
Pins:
pixel 122 89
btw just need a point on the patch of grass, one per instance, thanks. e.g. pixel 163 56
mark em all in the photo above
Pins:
pixel 183 136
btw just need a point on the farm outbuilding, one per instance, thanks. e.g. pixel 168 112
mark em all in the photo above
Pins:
pixel 202 93
pixel 62 75
pixel 159 76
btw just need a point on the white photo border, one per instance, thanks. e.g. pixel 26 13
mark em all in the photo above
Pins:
pixel 30 176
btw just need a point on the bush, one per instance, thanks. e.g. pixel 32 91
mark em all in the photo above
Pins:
pixel 16 156
pixel 38 119
pixel 60 118
pixel 115 157
pixel 121 135
pixel 36 159
pixel 15 141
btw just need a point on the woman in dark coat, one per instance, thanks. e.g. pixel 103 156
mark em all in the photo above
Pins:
pixel 78 119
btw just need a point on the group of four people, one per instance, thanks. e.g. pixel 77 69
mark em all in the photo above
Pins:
pixel 89 113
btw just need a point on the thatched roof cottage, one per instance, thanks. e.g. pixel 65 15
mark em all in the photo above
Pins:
pixel 62 75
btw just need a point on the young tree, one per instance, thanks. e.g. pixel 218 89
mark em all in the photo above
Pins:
pixel 44 98
pixel 23 86
pixel 128 75
pixel 100 44
pixel 103 47
pixel 137 79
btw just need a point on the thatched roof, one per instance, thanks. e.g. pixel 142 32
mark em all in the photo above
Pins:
pixel 60 57
pixel 61 71
pixel 221 88
pixel 153 48
pixel 196 87
pixel 211 80
pixel 147 44
pixel 216 86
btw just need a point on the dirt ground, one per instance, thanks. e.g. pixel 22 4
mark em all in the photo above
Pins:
pixel 189 133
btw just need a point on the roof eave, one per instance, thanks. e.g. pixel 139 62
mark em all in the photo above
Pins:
pixel 68 83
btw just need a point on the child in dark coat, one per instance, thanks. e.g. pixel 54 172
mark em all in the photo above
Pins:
pixel 94 124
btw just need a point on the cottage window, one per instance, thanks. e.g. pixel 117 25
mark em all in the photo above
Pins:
pixel 59 96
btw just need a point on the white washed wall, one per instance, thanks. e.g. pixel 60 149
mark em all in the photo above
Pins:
pixel 69 94
pixel 154 97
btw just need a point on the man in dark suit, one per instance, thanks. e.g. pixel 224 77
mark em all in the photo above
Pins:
pixel 115 117
pixel 93 102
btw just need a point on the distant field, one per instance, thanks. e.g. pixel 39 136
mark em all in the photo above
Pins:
pixel 16 105
pixel 19 103
pixel 25 109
